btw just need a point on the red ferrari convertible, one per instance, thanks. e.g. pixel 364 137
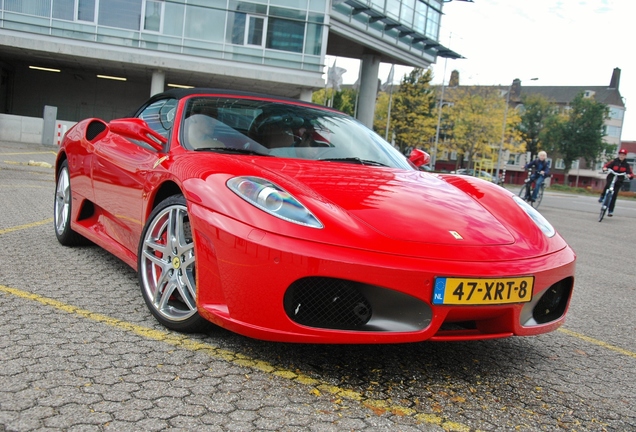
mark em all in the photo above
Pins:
pixel 287 221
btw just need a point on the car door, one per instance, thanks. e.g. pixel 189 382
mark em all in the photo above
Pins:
pixel 120 169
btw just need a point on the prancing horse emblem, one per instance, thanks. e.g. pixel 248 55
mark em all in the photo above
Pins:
pixel 456 235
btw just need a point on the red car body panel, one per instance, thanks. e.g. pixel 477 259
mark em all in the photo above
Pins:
pixel 383 227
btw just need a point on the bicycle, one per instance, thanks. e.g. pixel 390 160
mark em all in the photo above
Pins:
pixel 527 189
pixel 607 199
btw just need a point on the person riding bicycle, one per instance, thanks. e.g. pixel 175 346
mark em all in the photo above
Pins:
pixel 618 165
pixel 541 171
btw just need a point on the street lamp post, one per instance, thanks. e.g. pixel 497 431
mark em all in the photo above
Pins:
pixel 503 129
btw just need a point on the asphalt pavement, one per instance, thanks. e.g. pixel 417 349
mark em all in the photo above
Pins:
pixel 79 350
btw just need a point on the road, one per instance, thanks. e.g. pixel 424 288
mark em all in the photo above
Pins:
pixel 79 350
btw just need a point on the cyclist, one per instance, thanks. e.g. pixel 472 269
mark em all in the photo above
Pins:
pixel 619 165
pixel 541 171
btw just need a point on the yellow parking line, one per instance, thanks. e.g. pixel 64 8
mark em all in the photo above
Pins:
pixel 317 387
pixel 28 153
pixel 25 226
pixel 598 342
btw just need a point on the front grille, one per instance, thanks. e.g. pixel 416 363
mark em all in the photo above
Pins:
pixel 327 303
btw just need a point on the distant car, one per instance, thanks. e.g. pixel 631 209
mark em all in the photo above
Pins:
pixel 476 173
pixel 287 221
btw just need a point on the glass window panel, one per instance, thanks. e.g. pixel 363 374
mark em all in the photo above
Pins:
pixel 406 13
pixel 286 35
pixel 173 19
pixel 295 4
pixel 287 13
pixel 240 6
pixel 199 23
pixel 317 18
pixel 317 5
pixel 419 19
pixel 236 27
pixel 124 14
pixel 86 10
pixel 393 8
pixel 255 31
pixel 152 15
pixel 29 7
pixel 313 41
pixel 432 25
pixel 64 9
pixel 378 5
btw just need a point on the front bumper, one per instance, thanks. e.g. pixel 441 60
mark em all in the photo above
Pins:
pixel 248 282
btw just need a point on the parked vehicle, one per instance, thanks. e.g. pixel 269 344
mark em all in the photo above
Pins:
pixel 287 221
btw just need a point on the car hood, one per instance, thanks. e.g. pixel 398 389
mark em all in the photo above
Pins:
pixel 406 205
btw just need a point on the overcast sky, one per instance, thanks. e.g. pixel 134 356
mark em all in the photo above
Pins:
pixel 569 42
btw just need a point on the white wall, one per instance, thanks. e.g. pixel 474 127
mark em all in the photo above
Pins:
pixel 28 129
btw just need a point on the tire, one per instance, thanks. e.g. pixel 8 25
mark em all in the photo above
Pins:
pixel 523 193
pixel 62 210
pixel 166 267
pixel 606 203
pixel 539 197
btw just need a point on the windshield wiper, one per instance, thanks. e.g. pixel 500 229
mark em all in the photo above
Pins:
pixel 355 160
pixel 231 150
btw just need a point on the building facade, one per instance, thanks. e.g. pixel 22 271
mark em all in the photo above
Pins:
pixel 102 58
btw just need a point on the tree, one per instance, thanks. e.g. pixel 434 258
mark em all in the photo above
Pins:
pixel 343 100
pixel 413 113
pixel 579 133
pixel 477 115
pixel 537 112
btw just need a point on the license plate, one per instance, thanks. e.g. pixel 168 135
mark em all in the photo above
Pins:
pixel 476 291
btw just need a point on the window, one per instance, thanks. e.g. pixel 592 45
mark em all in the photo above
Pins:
pixel 285 35
pixel 613 131
pixel 30 7
pixel 124 14
pixel 205 23
pixel 160 115
pixel 432 24
pixel 64 9
pixel 560 164
pixel 86 10
pixel 246 29
pixel 153 15
pixel 616 113
pixel 453 155
pixel 406 12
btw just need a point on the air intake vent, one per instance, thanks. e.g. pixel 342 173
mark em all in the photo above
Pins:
pixel 94 129
pixel 327 303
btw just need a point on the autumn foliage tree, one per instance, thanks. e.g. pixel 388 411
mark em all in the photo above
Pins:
pixel 413 113
pixel 477 116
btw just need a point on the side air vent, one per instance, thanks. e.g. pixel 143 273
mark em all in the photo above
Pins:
pixel 94 129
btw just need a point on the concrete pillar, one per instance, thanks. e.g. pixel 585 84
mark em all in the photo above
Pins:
pixel 305 95
pixel 368 88
pixel 158 82
pixel 48 128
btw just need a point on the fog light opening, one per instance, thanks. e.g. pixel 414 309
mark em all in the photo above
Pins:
pixel 553 302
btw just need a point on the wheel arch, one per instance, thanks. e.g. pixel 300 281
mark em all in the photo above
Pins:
pixel 167 189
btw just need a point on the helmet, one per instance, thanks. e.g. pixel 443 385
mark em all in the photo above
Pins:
pixel 622 151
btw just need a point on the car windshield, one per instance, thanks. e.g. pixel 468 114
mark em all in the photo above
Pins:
pixel 283 129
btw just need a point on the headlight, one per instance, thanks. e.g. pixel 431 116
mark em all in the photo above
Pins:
pixel 274 200
pixel 537 217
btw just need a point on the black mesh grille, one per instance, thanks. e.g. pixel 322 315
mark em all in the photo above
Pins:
pixel 94 129
pixel 327 303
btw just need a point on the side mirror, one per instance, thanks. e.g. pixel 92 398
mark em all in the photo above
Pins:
pixel 419 157
pixel 137 129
